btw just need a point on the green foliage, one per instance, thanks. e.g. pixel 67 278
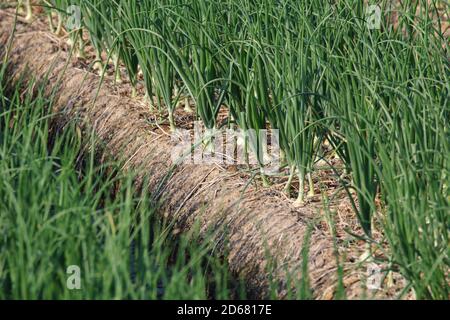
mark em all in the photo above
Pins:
pixel 59 207
pixel 315 71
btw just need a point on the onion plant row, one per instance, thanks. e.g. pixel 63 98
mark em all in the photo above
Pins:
pixel 316 72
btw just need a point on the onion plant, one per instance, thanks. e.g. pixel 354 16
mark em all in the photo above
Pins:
pixel 297 112
pixel 28 9
pixel 314 71
pixel 147 27
pixel 413 147
pixel 103 19
pixel 353 104
pixel 95 24
pixel 196 55
pixel 58 7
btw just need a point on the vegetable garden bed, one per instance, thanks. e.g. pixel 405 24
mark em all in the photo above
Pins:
pixel 268 238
